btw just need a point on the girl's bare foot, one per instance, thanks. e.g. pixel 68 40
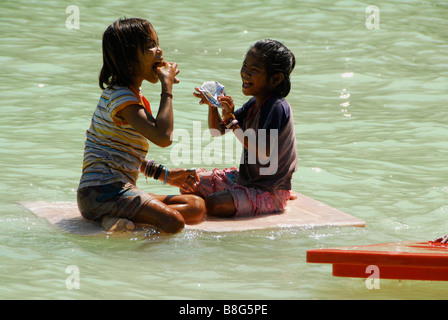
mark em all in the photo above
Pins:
pixel 293 196
pixel 112 224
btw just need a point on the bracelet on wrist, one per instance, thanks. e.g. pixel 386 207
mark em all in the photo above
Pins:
pixel 231 124
pixel 230 117
pixel 148 168
pixel 154 170
pixel 158 172
pixel 166 175
pixel 166 93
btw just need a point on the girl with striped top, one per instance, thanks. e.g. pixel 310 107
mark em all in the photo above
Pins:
pixel 117 139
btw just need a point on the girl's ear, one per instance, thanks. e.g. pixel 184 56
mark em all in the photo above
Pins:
pixel 277 78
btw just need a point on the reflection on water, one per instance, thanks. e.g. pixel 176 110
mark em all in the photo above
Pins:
pixel 369 106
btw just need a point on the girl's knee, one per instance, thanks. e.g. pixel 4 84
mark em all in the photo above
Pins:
pixel 159 215
pixel 175 225
pixel 196 209
pixel 196 202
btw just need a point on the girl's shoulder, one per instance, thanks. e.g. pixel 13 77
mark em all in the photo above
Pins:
pixel 276 114
pixel 115 90
pixel 249 103
pixel 278 104
pixel 241 112
pixel 120 93
pixel 116 97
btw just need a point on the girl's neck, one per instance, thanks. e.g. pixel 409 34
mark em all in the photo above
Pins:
pixel 137 83
pixel 257 106
pixel 260 99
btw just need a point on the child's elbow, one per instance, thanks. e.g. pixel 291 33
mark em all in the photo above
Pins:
pixel 162 140
pixel 165 142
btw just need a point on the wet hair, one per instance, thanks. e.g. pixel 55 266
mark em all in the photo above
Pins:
pixel 121 42
pixel 276 58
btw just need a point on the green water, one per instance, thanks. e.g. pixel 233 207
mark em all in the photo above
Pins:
pixel 370 108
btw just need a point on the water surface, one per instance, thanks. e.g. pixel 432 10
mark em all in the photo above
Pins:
pixel 371 123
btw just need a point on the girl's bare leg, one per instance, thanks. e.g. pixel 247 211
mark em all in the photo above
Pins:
pixel 220 204
pixel 191 207
pixel 171 213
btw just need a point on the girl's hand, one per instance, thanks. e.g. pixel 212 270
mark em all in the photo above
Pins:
pixel 167 72
pixel 200 95
pixel 227 106
pixel 185 179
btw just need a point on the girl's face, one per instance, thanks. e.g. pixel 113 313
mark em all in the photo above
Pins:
pixel 253 74
pixel 149 59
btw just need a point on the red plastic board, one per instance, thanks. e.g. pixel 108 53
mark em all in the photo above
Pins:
pixel 409 260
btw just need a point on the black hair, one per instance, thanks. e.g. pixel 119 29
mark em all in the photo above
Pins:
pixel 121 40
pixel 277 58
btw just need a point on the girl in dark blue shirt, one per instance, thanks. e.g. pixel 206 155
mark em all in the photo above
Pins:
pixel 265 127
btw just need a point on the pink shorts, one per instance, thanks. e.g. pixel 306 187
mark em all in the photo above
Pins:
pixel 248 201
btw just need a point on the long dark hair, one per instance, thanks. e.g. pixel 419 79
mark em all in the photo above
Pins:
pixel 121 40
pixel 277 58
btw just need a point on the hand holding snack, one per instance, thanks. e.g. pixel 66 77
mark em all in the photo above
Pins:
pixel 167 72
pixel 200 95
pixel 227 106
pixel 209 92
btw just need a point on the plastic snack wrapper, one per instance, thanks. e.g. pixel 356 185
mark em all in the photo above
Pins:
pixel 211 90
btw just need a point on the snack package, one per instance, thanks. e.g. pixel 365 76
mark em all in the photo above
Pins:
pixel 211 90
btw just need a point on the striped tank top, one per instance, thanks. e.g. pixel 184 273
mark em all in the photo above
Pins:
pixel 113 150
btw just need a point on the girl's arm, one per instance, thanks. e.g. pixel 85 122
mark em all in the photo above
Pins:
pixel 157 130
pixel 217 128
pixel 214 119
pixel 185 179
pixel 215 122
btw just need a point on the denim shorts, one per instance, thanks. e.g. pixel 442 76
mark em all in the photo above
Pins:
pixel 120 200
